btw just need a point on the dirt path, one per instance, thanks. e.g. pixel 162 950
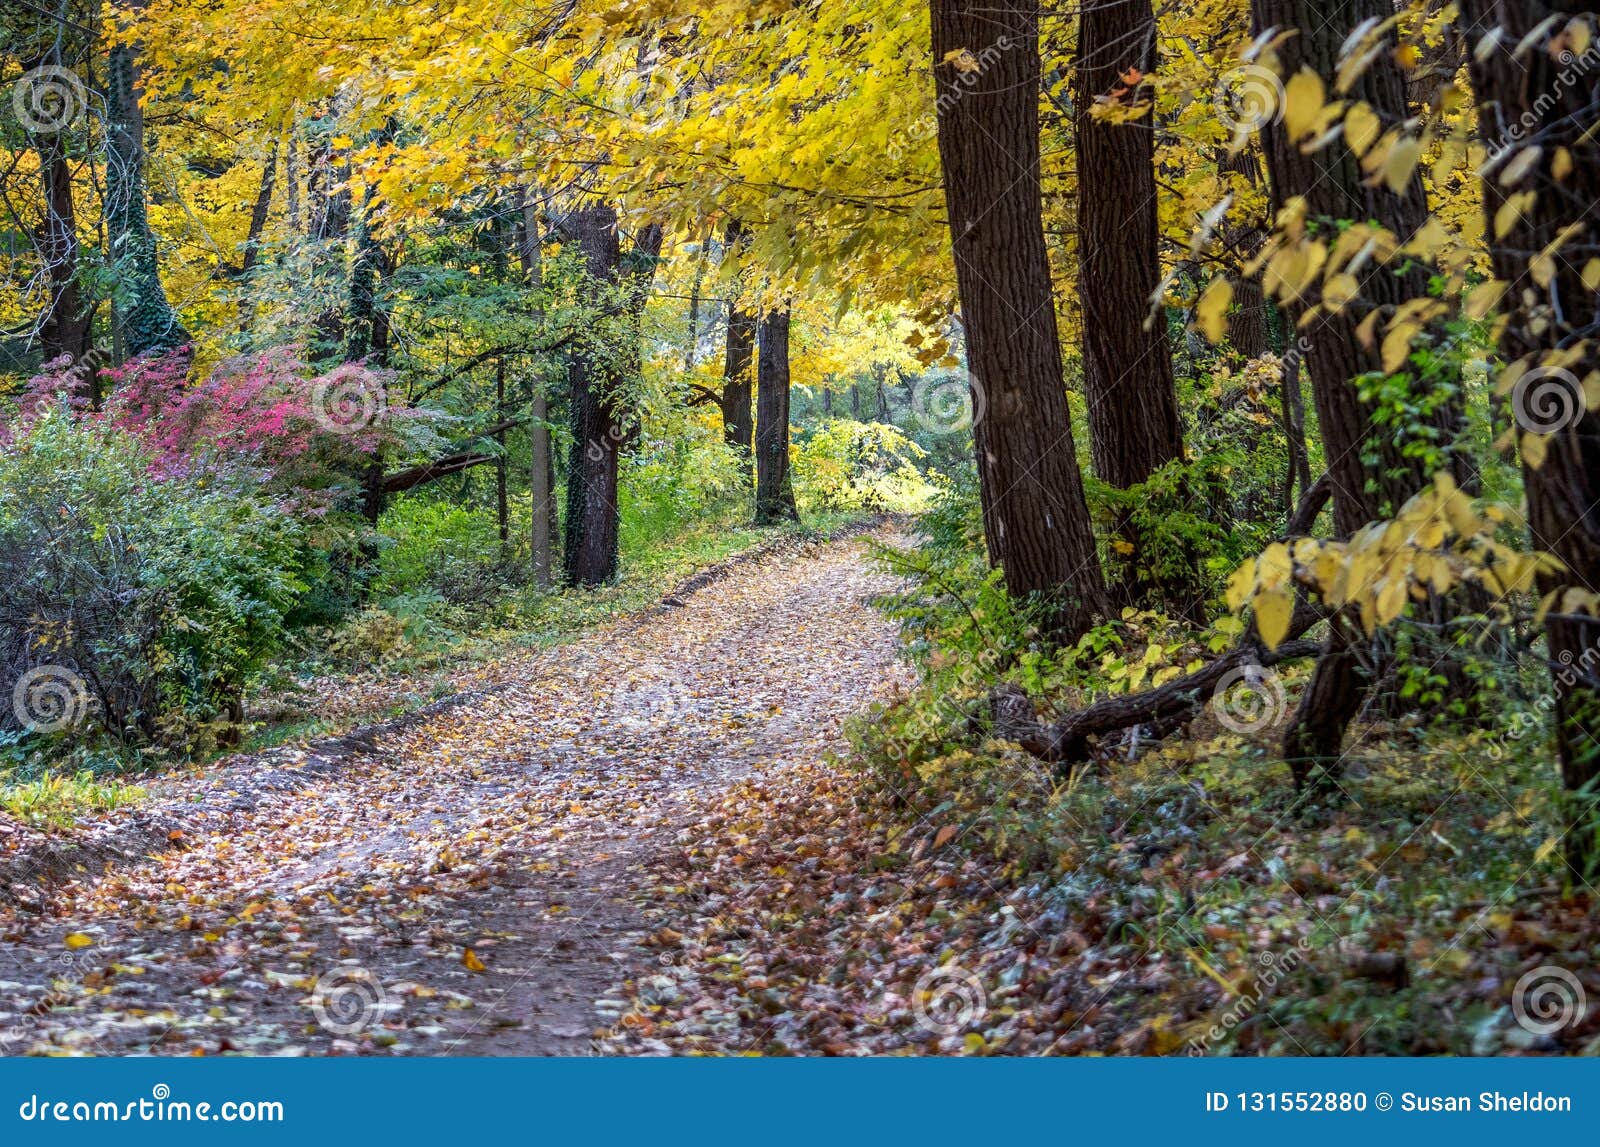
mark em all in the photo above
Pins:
pixel 463 888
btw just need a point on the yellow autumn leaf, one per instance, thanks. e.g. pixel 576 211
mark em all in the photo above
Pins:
pixel 1302 100
pixel 1361 128
pixel 1397 345
pixel 470 961
pixel 1274 608
pixel 1400 163
pixel 1211 312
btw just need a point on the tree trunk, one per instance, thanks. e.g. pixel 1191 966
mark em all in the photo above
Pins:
pixel 1132 402
pixel 774 489
pixel 1335 189
pixel 501 494
pixel 1535 86
pixel 66 328
pixel 1247 322
pixel 599 422
pixel 737 422
pixel 592 509
pixel 542 466
pixel 149 323
pixel 1035 518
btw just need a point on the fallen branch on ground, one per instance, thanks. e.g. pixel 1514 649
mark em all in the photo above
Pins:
pixel 1165 708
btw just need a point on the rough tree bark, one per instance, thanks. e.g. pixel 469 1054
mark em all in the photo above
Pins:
pixel 541 475
pixel 1134 427
pixel 774 489
pixel 66 326
pixel 737 422
pixel 1035 518
pixel 149 324
pixel 1334 189
pixel 599 423
pixel 1538 98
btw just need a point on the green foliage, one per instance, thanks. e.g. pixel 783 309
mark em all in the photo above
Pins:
pixel 164 594
pixel 56 801
pixel 439 547
pixel 680 474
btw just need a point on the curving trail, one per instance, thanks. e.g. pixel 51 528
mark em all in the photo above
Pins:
pixel 467 884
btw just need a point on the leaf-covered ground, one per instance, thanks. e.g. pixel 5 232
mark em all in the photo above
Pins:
pixel 658 840
pixel 463 882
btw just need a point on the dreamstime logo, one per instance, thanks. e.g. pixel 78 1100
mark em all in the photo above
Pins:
pixel 950 405
pixel 346 405
pixel 1248 97
pixel 48 698
pixel 1547 399
pixel 947 999
pixel 1248 699
pixel 48 99
pixel 347 1000
pixel 1573 68
pixel 649 699
pixel 968 70
pixel 1548 999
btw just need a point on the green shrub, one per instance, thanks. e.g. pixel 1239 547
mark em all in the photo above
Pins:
pixel 441 548
pixel 138 601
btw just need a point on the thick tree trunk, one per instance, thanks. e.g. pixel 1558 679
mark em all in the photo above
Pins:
pixel 1132 402
pixel 737 422
pixel 1035 518
pixel 774 489
pixel 1517 89
pixel 148 322
pixel 1335 189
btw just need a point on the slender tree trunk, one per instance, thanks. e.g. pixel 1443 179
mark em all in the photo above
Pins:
pixel 66 328
pixel 1247 323
pixel 1292 400
pixel 1515 89
pixel 1035 518
pixel 1335 189
pixel 149 323
pixel 501 495
pixel 1134 428
pixel 692 343
pixel 737 421
pixel 252 244
pixel 542 465
pixel 774 489
pixel 260 210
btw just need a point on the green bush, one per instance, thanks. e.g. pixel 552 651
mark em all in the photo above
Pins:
pixel 137 601
pixel 437 547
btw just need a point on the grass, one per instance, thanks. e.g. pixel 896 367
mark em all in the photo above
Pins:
pixel 56 801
